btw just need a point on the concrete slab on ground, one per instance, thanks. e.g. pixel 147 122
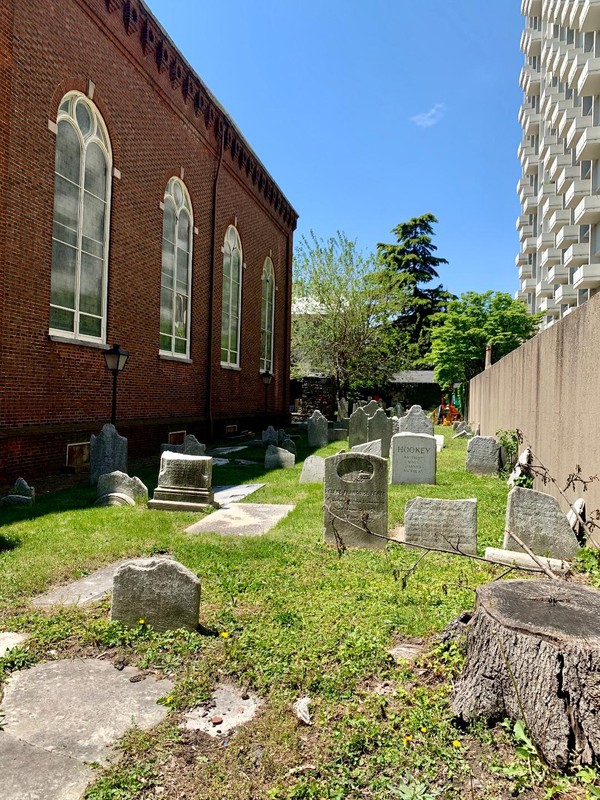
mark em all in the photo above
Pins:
pixel 406 651
pixel 8 640
pixel 228 709
pixel 79 708
pixel 224 495
pixel 84 590
pixel 225 451
pixel 242 519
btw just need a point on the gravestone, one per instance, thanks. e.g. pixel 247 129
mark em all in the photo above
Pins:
pixel 380 426
pixel 184 483
pixel 290 445
pixel 192 447
pixel 416 421
pixel 398 410
pixel 270 436
pixel 120 483
pixel 483 455
pixel 313 470
pixel 372 448
pixel 281 436
pixel 413 458
pixel 521 467
pixel 318 432
pixel 342 409
pixel 395 425
pixel 463 426
pixel 536 518
pixel 171 448
pixel 371 408
pixel 108 452
pixel 439 441
pixel 160 591
pixel 575 515
pixel 444 524
pixel 355 500
pixel 460 435
pixel 22 494
pixel 357 427
pixel 279 458
pixel 337 432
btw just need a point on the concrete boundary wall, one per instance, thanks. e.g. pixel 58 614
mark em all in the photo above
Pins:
pixel 550 389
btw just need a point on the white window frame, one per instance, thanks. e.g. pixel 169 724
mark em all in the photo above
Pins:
pixel 184 205
pixel 98 135
pixel 230 361
pixel 267 326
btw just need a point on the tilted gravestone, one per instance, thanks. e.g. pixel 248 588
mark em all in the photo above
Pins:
pixel 22 494
pixel 413 458
pixel 372 447
pixel 536 518
pixel 161 592
pixel 371 408
pixel 184 483
pixel 318 432
pixel 192 447
pixel 120 483
pixel 279 458
pixel 483 455
pixel 357 427
pixel 290 445
pixel 313 470
pixel 380 426
pixel 355 500
pixel 108 452
pixel 416 421
pixel 463 426
pixel 444 524
pixel 270 436
pixel 342 409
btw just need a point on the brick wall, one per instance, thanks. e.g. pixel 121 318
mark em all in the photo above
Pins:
pixel 161 122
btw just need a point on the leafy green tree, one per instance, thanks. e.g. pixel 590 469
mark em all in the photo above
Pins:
pixel 340 317
pixel 408 265
pixel 469 324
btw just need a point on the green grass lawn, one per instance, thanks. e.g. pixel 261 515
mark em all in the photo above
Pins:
pixel 296 619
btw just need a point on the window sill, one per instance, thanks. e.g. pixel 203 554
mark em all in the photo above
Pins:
pixel 231 366
pixel 179 359
pixel 73 340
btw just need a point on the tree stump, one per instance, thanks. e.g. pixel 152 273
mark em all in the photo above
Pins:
pixel 533 653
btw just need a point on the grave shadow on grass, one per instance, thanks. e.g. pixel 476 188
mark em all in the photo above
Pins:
pixel 9 542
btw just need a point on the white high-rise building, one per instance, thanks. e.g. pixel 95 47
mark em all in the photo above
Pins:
pixel 559 191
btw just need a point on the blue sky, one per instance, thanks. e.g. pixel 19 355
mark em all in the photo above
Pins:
pixel 369 112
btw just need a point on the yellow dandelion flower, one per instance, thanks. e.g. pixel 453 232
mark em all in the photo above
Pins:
pixel 169 700
pixel 142 621
pixel 407 739
pixel 456 743
pixel 423 730
pixel 224 635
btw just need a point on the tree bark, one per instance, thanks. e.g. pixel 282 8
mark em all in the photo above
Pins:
pixel 533 653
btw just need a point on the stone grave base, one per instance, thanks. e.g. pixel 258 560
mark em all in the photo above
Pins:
pixel 166 499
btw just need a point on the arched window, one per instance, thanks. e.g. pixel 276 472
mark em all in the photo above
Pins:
pixel 232 293
pixel 267 316
pixel 82 181
pixel 176 273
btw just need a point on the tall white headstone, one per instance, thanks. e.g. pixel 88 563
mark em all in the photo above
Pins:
pixel 413 458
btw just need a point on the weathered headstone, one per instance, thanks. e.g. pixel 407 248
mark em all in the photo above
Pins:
pixel 270 436
pixel 521 467
pixel 120 483
pixel 536 518
pixel 576 517
pixel 371 408
pixel 161 592
pixel 372 447
pixel 439 441
pixel 413 458
pixel 342 409
pixel 416 421
pixel 108 452
pixel 318 435
pixel 398 410
pixel 184 483
pixel 337 432
pixel 279 458
pixel 290 445
pixel 192 447
pixel 444 524
pixel 463 426
pixel 281 436
pixel 22 494
pixel 395 425
pixel 355 500
pixel 171 448
pixel 357 427
pixel 313 470
pixel 380 426
pixel 460 435
pixel 483 455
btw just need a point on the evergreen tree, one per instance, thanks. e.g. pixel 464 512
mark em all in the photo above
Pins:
pixel 406 266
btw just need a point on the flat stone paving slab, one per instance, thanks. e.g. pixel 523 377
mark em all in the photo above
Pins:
pixel 224 495
pixel 242 519
pixel 228 708
pixel 8 640
pixel 84 590
pixel 79 708
pixel 225 451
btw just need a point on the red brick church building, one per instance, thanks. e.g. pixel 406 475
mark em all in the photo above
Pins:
pixel 132 211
